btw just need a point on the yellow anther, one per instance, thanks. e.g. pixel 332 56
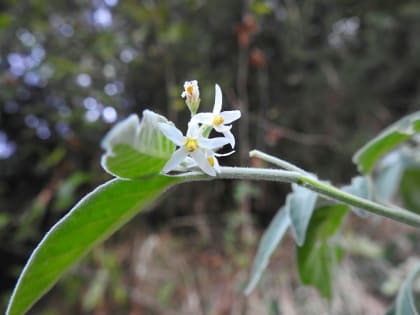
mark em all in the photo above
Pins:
pixel 191 144
pixel 189 90
pixel 211 160
pixel 218 120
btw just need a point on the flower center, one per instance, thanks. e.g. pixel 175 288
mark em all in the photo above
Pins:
pixel 211 160
pixel 191 144
pixel 218 120
pixel 189 90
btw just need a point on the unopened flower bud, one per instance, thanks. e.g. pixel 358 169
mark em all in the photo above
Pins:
pixel 192 96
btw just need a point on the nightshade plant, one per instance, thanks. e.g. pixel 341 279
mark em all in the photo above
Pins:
pixel 147 157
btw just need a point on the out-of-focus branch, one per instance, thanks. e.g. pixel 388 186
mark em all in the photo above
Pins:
pixel 275 132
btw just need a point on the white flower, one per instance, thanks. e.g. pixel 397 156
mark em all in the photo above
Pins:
pixel 190 163
pixel 192 145
pixel 211 156
pixel 191 94
pixel 217 119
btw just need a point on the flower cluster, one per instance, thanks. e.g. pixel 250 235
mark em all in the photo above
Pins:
pixel 196 148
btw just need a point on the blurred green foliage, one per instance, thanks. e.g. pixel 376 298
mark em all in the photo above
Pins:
pixel 315 79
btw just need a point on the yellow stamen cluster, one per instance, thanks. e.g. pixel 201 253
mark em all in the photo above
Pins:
pixel 191 144
pixel 211 160
pixel 189 90
pixel 218 120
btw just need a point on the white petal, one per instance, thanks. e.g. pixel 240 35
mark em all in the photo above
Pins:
pixel 176 159
pixel 225 154
pixel 189 162
pixel 230 137
pixel 213 143
pixel 203 118
pixel 230 115
pixel 222 128
pixel 217 100
pixel 216 165
pixel 172 133
pixel 193 130
pixel 203 163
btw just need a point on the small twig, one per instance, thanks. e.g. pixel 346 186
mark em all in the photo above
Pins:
pixel 300 137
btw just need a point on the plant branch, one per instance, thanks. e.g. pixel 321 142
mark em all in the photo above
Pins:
pixel 309 182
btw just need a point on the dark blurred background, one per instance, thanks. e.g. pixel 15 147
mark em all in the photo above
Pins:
pixel 314 81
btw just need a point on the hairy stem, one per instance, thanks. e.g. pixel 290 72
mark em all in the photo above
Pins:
pixel 398 214
pixel 326 190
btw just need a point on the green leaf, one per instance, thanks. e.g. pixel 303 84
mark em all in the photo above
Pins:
pixel 128 163
pixel 297 212
pixel 269 242
pixel 300 206
pixel 359 187
pixel 410 189
pixel 405 303
pixel 389 175
pixel 91 221
pixel 318 257
pixel 136 149
pixel 369 154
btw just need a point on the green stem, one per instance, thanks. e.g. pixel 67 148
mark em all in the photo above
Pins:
pixel 398 214
pixel 331 192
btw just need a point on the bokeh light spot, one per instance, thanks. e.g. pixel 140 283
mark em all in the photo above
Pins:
pixel 109 114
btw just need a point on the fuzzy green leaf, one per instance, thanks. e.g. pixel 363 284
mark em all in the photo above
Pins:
pixel 91 221
pixel 297 213
pixel 359 187
pixel 300 206
pixel 136 149
pixel 410 189
pixel 318 257
pixel 387 140
pixel 405 303
pixel 267 245
pixel 389 174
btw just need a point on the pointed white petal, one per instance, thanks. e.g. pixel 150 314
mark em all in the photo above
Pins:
pixel 230 115
pixel 229 136
pixel 172 133
pixel 213 143
pixel 217 100
pixel 203 118
pixel 203 163
pixel 176 159
pixel 216 165
pixel 225 154
pixel 222 128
